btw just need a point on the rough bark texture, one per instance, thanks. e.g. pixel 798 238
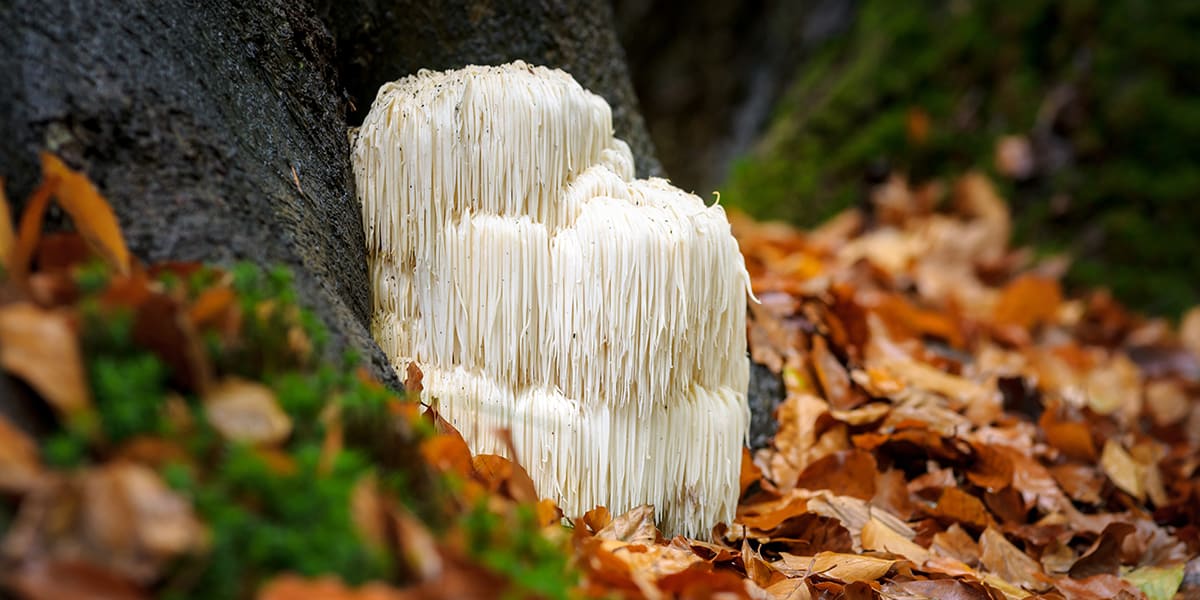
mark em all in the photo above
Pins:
pixel 192 117
pixel 384 40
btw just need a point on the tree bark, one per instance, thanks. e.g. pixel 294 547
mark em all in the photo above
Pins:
pixel 383 40
pixel 217 128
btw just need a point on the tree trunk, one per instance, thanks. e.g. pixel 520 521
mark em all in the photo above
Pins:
pixel 217 128
pixel 383 40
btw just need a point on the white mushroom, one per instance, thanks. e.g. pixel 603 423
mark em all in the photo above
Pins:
pixel 545 291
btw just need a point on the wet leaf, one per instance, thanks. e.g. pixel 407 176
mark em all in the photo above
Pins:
pixel 246 411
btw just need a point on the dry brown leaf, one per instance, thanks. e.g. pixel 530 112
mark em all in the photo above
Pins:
pixel 942 589
pixel 955 543
pixel 1006 561
pixel 1082 483
pixel 1189 331
pixel 1122 470
pixel 40 347
pixel 633 527
pixel 246 411
pixel 1097 587
pixel 92 215
pixel 789 589
pixel 958 506
pixel 415 545
pixel 20 467
pixel 846 568
pixel 844 473
pixel 1105 555
pixel 293 587
pixel 797 435
pixel 879 537
pixel 57 580
pixel 1167 402
pixel 854 515
pixel 1072 438
pixel 1027 302
pixel 121 517
pixel 834 379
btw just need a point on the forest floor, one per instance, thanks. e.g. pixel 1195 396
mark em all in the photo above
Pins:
pixel 953 426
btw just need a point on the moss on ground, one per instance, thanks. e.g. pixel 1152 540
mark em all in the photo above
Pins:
pixel 1106 91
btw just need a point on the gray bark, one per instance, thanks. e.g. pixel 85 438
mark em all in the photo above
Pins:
pixel 384 40
pixel 191 117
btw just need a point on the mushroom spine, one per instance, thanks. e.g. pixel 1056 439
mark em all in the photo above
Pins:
pixel 542 289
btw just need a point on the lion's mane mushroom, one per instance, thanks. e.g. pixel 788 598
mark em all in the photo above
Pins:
pixel 543 290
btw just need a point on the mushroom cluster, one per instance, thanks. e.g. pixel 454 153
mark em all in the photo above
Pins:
pixel 546 292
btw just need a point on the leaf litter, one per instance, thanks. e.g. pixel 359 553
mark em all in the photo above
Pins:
pixel 955 426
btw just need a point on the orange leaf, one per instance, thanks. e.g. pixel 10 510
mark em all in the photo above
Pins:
pixel 1027 301
pixel 92 215
pixel 959 506
pixel 29 231
pixel 8 238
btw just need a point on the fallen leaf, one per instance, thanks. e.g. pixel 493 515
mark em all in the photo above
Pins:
pixel 29 231
pixel 45 580
pixel 790 589
pixel 633 527
pixel 1097 587
pixel 1006 561
pixel 1122 470
pixel 1028 301
pixel 1104 557
pixel 844 473
pixel 19 464
pixel 40 347
pixel 1158 583
pixel 246 411
pixel 90 213
pixel 808 533
pixel 942 589
pixel 1072 438
pixel 294 587
pixel 415 545
pixel 846 568
pixel 834 379
pixel 955 543
pixel 879 537
pixel 958 506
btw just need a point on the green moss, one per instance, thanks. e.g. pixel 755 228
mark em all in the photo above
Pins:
pixel 1122 73
pixel 512 546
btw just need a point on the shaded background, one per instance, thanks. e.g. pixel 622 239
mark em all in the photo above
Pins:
pixel 793 109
